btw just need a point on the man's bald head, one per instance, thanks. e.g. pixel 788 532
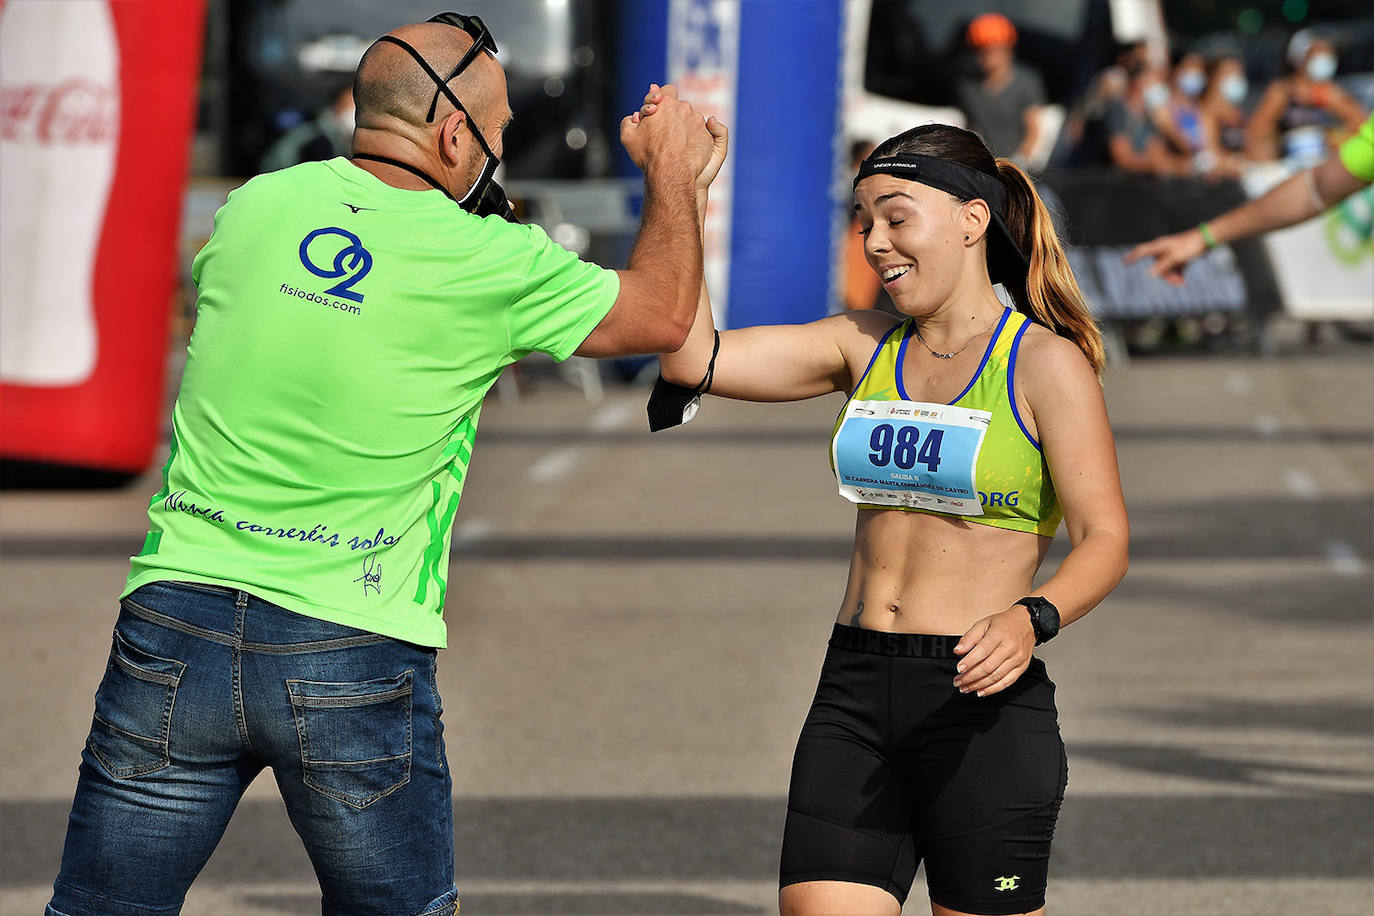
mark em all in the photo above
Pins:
pixel 392 87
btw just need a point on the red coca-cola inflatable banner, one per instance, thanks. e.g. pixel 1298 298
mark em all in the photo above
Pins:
pixel 97 99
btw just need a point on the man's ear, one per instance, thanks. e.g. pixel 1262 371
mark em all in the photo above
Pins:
pixel 974 219
pixel 452 139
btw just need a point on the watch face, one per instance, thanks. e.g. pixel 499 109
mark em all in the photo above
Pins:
pixel 1047 615
pixel 1044 618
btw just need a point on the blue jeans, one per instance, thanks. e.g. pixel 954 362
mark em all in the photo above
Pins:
pixel 205 686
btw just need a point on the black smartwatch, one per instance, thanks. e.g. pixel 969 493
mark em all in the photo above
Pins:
pixel 1044 618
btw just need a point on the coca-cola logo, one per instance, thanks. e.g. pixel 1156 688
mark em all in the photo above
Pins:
pixel 75 111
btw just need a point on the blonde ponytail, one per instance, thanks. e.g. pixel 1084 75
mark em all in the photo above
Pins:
pixel 1051 295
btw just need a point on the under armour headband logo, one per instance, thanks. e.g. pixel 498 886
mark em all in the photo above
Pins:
pixel 955 178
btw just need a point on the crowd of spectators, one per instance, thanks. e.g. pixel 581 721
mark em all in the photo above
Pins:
pixel 1198 114
pixel 1191 119
pixel 1195 115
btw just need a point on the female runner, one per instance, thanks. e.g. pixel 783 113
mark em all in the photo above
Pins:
pixel 969 430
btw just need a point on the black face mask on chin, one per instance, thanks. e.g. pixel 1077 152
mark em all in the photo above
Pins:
pixel 491 200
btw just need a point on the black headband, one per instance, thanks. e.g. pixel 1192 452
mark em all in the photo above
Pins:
pixel 960 180
pixel 1006 262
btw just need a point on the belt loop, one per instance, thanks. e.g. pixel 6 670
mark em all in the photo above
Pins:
pixel 241 600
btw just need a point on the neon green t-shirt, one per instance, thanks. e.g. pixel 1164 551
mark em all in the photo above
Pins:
pixel 1357 153
pixel 346 333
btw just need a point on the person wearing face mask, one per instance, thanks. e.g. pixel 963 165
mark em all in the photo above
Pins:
pixel 1190 130
pixel 1302 116
pixel 1179 117
pixel 968 430
pixel 287 605
pixel 1135 142
pixel 328 134
pixel 1084 127
pixel 1222 101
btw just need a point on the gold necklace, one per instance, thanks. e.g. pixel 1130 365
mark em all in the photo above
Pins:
pixel 939 355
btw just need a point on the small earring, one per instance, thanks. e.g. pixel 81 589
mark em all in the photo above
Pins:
pixel 966 238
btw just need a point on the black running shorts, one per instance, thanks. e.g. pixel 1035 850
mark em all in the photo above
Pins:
pixel 894 767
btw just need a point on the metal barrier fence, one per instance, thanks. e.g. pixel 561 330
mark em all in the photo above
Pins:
pixel 1323 270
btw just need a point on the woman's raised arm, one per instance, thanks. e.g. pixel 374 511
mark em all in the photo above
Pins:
pixel 786 362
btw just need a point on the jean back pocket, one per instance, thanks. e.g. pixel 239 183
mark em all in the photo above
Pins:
pixel 133 710
pixel 355 738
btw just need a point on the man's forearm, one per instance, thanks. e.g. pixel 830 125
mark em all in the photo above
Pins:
pixel 1285 204
pixel 1297 198
pixel 687 366
pixel 668 248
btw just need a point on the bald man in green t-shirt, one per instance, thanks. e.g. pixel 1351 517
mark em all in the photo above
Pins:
pixel 288 600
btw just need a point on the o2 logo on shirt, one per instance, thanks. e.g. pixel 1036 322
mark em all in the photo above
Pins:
pixel 352 261
pixel 903 447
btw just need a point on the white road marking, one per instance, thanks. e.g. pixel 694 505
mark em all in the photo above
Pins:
pixel 555 464
pixel 1343 559
pixel 1267 426
pixel 470 532
pixel 562 460
pixel 613 416
pixel 1300 483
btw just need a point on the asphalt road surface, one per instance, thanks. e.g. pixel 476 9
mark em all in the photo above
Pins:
pixel 636 624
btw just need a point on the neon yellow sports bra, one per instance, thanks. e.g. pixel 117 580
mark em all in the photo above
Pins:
pixel 972 458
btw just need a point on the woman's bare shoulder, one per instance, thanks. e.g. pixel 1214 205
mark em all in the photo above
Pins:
pixel 1047 360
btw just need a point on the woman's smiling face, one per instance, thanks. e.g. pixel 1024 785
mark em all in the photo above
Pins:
pixel 912 240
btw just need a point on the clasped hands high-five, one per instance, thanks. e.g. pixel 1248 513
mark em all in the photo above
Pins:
pixel 666 135
pixel 680 153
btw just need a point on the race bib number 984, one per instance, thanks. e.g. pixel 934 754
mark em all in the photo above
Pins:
pixel 911 454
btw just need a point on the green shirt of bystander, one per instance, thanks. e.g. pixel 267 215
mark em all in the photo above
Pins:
pixel 346 334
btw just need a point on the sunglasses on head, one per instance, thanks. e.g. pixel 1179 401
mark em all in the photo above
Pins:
pixel 481 41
